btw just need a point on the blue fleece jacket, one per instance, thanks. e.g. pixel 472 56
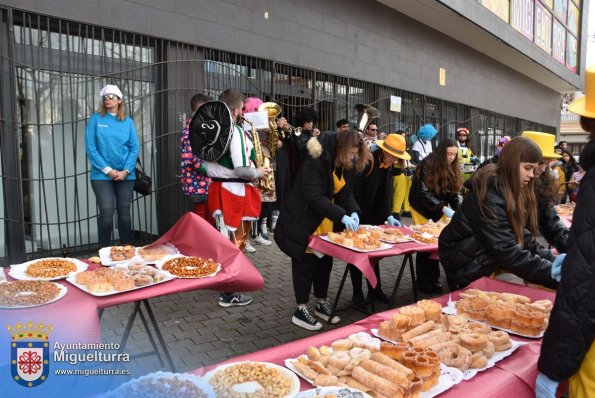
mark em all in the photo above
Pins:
pixel 111 142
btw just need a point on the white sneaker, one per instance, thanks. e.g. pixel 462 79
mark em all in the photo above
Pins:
pixel 249 248
pixel 259 240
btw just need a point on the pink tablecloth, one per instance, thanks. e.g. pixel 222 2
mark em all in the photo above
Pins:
pixel 195 237
pixel 513 376
pixel 366 261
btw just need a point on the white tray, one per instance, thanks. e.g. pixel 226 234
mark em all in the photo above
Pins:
pixel 106 258
pixel 62 293
pixel 159 265
pixel 448 378
pixel 497 357
pixel 137 383
pixel 17 271
pixel 450 309
pixel 383 246
pixel 72 280
pixel 251 386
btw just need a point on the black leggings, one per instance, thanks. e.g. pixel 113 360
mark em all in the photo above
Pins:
pixel 266 211
pixel 311 271
pixel 426 270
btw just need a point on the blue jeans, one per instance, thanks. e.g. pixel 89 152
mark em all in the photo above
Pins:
pixel 105 191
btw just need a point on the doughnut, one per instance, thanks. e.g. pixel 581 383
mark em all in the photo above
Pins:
pixel 456 356
pixel 501 340
pixel 473 341
pixel 478 327
pixel 478 360
pixel 488 349
pixel 342 345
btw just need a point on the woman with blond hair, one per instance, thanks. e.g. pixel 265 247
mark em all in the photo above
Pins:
pixel 112 149
pixel 496 226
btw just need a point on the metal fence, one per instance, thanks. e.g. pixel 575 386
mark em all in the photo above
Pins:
pixel 52 70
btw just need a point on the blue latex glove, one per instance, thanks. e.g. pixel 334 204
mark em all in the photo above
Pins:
pixel 557 267
pixel 474 160
pixel 349 222
pixel 448 212
pixel 545 387
pixel 355 218
pixel 393 221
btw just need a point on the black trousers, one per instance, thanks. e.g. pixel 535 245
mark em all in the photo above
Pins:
pixel 356 279
pixel 427 271
pixel 311 271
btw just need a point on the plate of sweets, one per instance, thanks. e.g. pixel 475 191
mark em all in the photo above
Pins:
pixel 425 238
pixel 163 384
pixel 565 209
pixel 190 267
pixel 117 254
pixel 119 279
pixel 253 379
pixel 431 228
pixel 27 294
pixel 513 313
pixel 333 392
pixel 389 234
pixel 361 240
pixel 46 269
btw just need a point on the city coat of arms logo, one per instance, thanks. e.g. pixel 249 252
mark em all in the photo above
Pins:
pixel 30 353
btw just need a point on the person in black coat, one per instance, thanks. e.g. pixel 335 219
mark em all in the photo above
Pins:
pixel 434 193
pixel 322 191
pixel 373 192
pixel 567 348
pixel 496 225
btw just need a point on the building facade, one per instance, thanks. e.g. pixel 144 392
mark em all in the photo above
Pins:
pixel 497 71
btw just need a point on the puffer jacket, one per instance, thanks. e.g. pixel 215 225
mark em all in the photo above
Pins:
pixel 312 198
pixel 428 203
pixel 571 329
pixel 472 246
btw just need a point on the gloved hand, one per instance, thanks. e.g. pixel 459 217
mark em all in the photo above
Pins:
pixel 557 267
pixel 349 222
pixel 448 212
pixel 356 218
pixel 545 387
pixel 393 221
pixel 474 160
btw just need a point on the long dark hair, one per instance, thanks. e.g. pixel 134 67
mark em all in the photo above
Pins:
pixel 546 188
pixel 441 177
pixel 588 124
pixel 521 204
pixel 346 141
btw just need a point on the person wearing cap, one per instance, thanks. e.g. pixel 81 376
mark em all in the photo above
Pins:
pixel 373 191
pixel 466 157
pixel 435 194
pixel 567 349
pixel 112 148
pixel 546 192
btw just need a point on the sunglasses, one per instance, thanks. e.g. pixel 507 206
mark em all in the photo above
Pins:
pixel 110 97
pixel 373 129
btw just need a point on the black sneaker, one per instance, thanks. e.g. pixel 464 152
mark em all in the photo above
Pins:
pixel 302 318
pixel 323 310
pixel 235 300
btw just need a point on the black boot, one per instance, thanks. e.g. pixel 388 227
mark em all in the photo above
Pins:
pixel 376 294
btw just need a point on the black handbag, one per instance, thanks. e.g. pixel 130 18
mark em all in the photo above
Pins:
pixel 142 184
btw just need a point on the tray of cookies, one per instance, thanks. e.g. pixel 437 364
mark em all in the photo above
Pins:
pixel 163 384
pixel 46 269
pixel 190 267
pixel 113 255
pixel 252 379
pixel 389 234
pixel 362 240
pixel 348 363
pixel 28 294
pixel 159 253
pixel 119 279
pixel 513 313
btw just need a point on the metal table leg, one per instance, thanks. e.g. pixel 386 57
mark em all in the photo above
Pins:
pixel 338 296
pixel 407 259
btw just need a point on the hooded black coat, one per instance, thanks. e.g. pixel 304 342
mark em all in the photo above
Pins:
pixel 473 246
pixel 571 327
pixel 312 198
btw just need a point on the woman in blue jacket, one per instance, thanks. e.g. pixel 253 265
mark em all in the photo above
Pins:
pixel 112 149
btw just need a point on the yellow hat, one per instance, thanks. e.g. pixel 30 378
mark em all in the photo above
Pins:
pixel 395 145
pixel 585 106
pixel 546 142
